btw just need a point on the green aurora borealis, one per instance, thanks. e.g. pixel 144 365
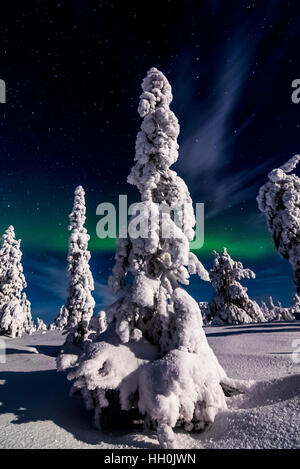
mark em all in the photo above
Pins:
pixel 46 230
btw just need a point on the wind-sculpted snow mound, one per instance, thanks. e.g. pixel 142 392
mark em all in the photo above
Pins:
pixel 266 393
pixel 266 416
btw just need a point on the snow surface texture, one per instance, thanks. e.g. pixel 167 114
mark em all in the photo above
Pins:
pixel 279 200
pixel 231 304
pixel 180 383
pixel 75 315
pixel 15 308
pixel 36 411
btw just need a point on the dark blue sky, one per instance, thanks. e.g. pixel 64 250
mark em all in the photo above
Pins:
pixel 73 71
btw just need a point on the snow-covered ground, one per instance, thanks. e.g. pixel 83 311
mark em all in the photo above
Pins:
pixel 36 411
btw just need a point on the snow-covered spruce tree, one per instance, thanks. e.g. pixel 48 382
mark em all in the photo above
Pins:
pixel 75 315
pixel 154 354
pixel 231 304
pixel 15 311
pixel 279 200
pixel 61 320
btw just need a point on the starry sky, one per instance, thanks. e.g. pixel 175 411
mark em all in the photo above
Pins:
pixel 73 71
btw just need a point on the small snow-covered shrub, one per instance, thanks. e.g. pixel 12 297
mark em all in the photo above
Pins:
pixel 41 326
pixel 279 200
pixel 274 312
pixel 75 315
pixel 231 304
pixel 267 311
pixel 283 314
pixel 61 320
pixel 154 354
pixel 15 308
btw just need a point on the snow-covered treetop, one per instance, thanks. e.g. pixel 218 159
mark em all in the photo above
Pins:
pixel 157 149
pixel 79 238
pixel 9 238
pixel 282 173
pixel 290 164
pixel 77 216
pixel 157 140
pixel 226 271
pixel 156 143
pixel 9 233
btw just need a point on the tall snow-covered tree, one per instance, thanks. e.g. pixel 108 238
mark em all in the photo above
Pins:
pixel 75 315
pixel 279 200
pixel 154 352
pixel 15 310
pixel 231 304
pixel 61 319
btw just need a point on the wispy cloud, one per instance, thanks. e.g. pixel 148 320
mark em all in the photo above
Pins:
pixel 52 277
pixel 209 157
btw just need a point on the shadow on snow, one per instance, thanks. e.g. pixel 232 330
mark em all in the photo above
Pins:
pixel 44 396
pixel 263 327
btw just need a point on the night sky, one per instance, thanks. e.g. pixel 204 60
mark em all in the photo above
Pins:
pixel 73 71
